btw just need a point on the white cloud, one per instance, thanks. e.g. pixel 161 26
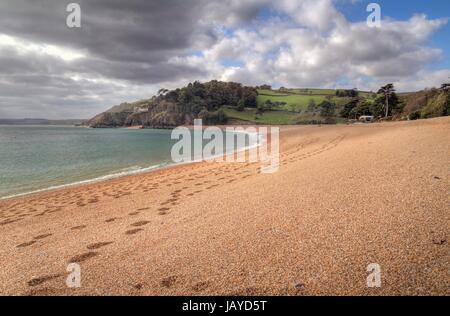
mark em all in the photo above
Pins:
pixel 26 47
pixel 315 14
pixel 127 51
pixel 323 49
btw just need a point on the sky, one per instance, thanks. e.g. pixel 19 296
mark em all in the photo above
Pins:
pixel 127 50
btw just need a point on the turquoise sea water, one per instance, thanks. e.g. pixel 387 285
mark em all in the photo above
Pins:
pixel 38 157
pixel 34 158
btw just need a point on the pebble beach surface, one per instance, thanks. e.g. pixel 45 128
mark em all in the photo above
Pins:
pixel 345 197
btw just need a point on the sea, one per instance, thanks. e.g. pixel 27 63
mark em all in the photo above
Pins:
pixel 38 158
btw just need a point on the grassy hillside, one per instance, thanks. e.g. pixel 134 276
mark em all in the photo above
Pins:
pixel 297 100
pixel 128 107
pixel 294 102
pixel 220 102
pixel 426 104
pixel 270 117
pixel 291 106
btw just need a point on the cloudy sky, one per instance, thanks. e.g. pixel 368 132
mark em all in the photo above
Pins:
pixel 127 50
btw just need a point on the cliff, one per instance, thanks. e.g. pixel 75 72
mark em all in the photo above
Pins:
pixel 179 107
pixel 143 115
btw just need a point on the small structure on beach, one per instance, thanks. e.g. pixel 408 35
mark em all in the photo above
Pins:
pixel 366 118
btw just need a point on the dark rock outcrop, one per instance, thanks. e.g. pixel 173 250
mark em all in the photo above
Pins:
pixel 109 119
pixel 180 106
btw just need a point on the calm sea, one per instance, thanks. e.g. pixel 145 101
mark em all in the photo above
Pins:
pixel 34 158
pixel 39 157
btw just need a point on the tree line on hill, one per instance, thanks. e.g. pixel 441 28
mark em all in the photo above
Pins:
pixel 181 106
pixel 205 100
pixel 386 103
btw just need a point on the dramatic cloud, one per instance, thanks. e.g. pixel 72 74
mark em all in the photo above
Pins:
pixel 126 50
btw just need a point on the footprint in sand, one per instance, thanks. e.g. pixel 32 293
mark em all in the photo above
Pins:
pixel 138 286
pixel 201 286
pixel 98 245
pixel 78 227
pixel 133 231
pixel 26 244
pixel 169 281
pixel 9 221
pixel 42 279
pixel 110 220
pixel 133 213
pixel 42 236
pixel 140 223
pixel 82 257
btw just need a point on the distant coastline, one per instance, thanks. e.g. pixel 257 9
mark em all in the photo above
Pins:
pixel 38 121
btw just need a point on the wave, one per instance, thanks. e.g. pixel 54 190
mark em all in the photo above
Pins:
pixel 137 169
pixel 121 173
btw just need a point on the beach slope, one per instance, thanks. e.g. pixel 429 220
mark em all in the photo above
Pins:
pixel 344 197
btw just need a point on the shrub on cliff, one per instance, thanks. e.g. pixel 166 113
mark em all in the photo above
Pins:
pixel 211 118
pixel 437 105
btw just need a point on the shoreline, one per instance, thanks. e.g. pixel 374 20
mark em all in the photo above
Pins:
pixel 142 170
pixel 343 198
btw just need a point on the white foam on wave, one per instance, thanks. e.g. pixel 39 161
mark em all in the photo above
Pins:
pixel 138 169
pixel 123 172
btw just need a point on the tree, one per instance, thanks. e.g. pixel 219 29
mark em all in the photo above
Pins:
pixel 445 87
pixel 446 110
pixel 268 105
pixel 250 96
pixel 347 93
pixel 388 91
pixel 348 109
pixel 241 105
pixel 327 108
pixel 260 108
pixel 311 105
pixel 162 91
pixel 265 87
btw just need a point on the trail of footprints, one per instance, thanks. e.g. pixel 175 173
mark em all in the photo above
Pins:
pixel 137 227
pixel 226 173
pixel 296 155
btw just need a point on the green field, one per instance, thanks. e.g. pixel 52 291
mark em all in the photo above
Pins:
pixel 276 117
pixel 292 106
pixel 272 92
pixel 269 117
pixel 294 102
pixel 313 91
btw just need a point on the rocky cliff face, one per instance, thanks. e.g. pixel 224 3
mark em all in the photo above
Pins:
pixel 150 119
pixel 178 107
pixel 108 119
pixel 155 119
